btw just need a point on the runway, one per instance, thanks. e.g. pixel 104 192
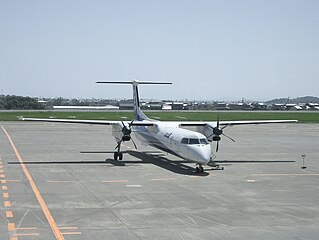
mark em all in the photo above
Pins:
pixel 58 182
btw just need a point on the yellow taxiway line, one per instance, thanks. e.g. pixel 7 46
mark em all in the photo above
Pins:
pixel 45 209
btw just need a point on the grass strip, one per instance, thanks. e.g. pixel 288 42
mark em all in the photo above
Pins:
pixel 302 117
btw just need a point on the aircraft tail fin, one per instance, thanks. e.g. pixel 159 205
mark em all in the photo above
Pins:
pixel 138 113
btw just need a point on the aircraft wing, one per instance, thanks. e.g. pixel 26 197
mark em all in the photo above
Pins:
pixel 96 122
pixel 149 123
pixel 233 123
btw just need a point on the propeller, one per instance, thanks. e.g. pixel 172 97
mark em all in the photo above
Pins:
pixel 126 130
pixel 217 131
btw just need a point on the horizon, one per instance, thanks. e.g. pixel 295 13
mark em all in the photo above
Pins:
pixel 244 100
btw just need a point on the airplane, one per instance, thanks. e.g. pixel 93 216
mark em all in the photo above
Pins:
pixel 168 136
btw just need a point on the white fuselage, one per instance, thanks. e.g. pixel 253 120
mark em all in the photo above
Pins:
pixel 189 145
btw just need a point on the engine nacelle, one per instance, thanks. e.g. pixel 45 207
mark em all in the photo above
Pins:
pixel 207 131
pixel 216 138
pixel 121 133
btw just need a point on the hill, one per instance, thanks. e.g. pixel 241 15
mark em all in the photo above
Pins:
pixel 306 99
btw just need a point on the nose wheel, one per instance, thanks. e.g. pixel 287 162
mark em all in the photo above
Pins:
pixel 199 169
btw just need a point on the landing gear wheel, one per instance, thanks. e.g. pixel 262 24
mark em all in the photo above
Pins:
pixel 118 156
pixel 199 169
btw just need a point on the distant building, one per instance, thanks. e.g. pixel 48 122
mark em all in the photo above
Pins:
pixel 166 106
pixel 221 106
pixel 126 104
pixel 258 106
pixel 152 106
pixel 312 106
pixel 238 106
pixel 278 107
pixel 293 107
pixel 178 106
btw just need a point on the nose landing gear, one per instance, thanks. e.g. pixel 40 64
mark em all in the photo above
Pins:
pixel 199 169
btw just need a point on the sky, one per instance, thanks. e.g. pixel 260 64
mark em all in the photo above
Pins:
pixel 208 49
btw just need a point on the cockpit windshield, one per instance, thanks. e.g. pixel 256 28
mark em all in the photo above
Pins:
pixel 192 141
pixel 203 141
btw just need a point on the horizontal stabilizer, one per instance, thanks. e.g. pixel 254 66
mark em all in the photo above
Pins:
pixel 133 82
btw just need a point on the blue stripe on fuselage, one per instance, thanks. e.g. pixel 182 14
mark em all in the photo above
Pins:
pixel 152 141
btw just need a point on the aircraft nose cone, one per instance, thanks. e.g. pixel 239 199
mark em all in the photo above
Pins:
pixel 202 154
pixel 206 153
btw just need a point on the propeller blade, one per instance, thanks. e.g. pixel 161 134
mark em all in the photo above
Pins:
pixel 229 137
pixel 226 126
pixel 134 143
pixel 118 145
pixel 217 146
pixel 210 135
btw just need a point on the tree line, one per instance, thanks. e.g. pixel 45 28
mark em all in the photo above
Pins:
pixel 11 102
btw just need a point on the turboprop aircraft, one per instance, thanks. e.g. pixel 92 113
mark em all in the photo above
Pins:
pixel 168 136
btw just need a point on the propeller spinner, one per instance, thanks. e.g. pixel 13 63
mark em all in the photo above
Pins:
pixel 217 131
pixel 126 130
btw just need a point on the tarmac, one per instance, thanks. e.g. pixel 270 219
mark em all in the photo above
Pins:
pixel 58 181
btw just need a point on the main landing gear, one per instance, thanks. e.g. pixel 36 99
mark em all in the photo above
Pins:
pixel 118 155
